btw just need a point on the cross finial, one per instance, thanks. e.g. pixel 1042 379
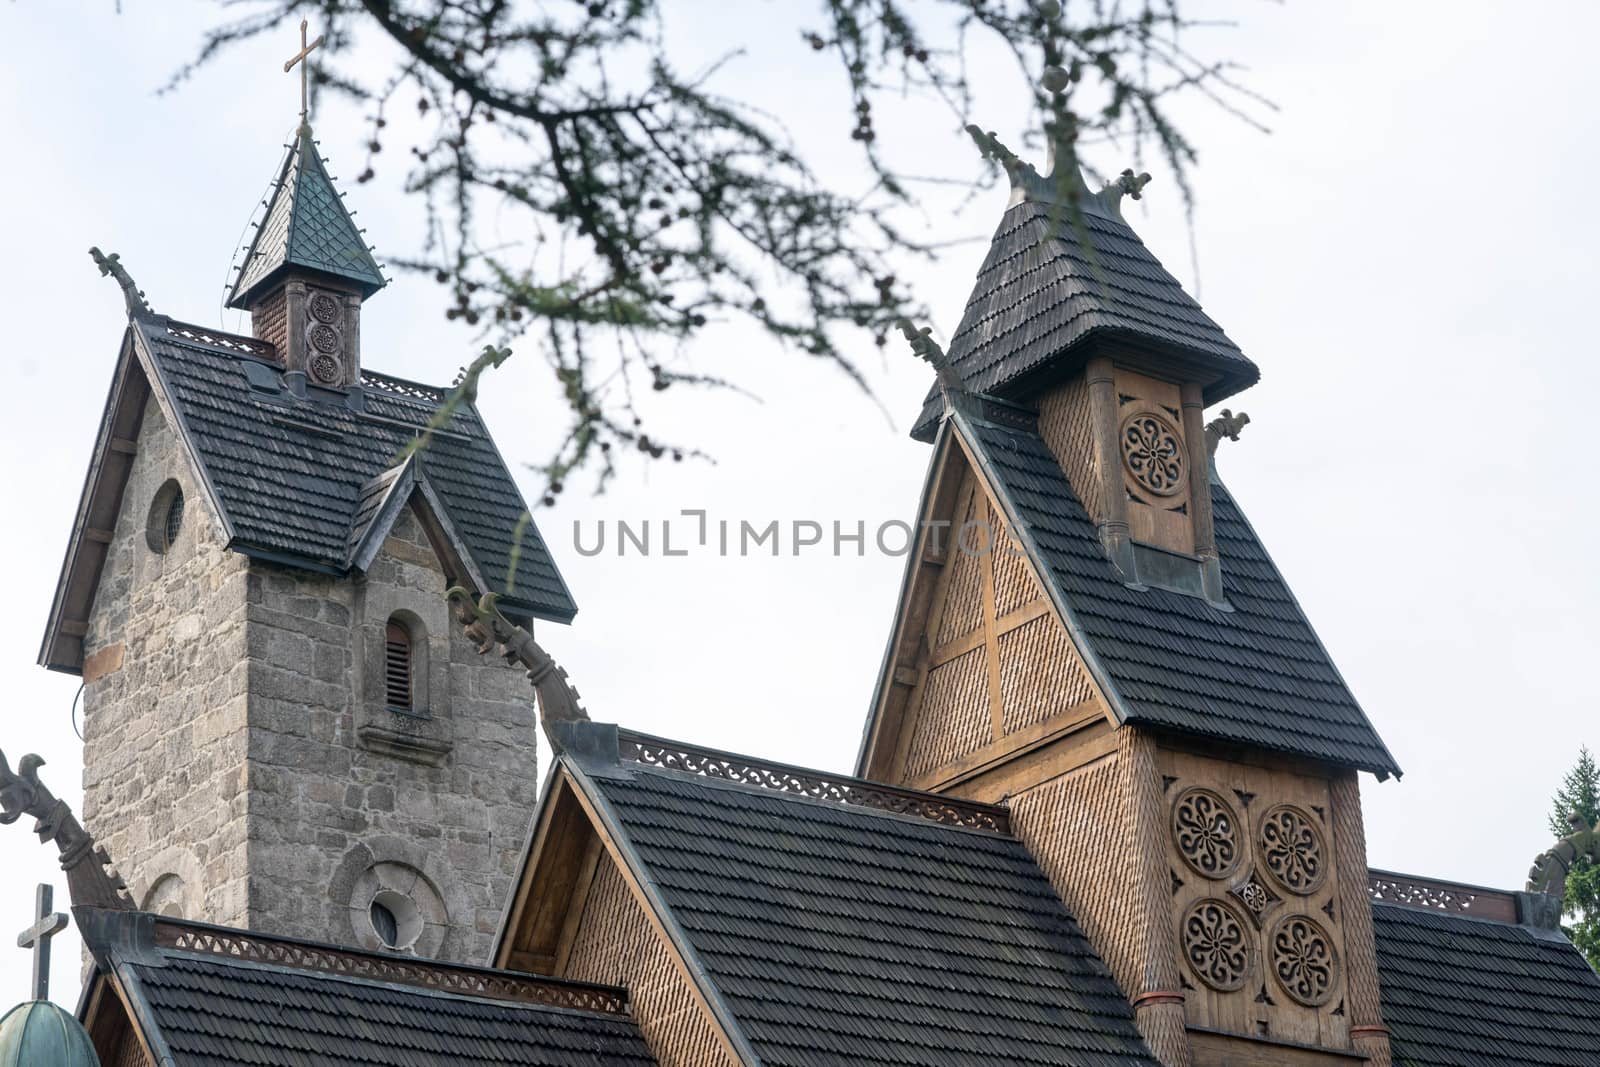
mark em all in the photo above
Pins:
pixel 47 924
pixel 300 58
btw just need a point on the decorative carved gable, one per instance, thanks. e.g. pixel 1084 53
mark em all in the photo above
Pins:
pixel 985 669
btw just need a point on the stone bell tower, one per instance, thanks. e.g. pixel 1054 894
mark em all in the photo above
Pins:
pixel 1091 632
pixel 284 730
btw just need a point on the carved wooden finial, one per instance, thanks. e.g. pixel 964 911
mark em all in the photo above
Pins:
pixel 90 880
pixel 1550 868
pixel 1226 425
pixel 923 346
pixel 132 295
pixel 488 629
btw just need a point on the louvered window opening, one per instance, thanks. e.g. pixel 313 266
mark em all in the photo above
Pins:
pixel 397 667
pixel 174 523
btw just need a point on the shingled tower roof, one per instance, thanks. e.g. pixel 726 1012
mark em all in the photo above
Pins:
pixel 306 226
pixel 1065 272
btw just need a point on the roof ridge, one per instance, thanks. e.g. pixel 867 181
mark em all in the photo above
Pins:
pixel 248 946
pixel 810 783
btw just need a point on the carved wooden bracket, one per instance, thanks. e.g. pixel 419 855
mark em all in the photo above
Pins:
pixel 90 880
pixel 490 631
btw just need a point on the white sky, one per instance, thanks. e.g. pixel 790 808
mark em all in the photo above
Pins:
pixel 1409 258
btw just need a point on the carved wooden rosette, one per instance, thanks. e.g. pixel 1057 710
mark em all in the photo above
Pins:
pixel 1253 888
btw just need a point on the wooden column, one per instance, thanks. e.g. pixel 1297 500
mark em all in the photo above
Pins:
pixel 1158 1001
pixel 1367 1032
pixel 1113 522
pixel 294 313
pixel 1200 520
pixel 352 338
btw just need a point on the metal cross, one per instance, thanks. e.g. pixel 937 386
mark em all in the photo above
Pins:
pixel 37 937
pixel 300 58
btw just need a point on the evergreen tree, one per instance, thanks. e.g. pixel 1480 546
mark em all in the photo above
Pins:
pixel 1580 793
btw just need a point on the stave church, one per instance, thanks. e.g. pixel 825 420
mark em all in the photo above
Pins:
pixel 1105 811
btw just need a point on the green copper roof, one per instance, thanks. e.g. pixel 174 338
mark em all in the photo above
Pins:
pixel 306 226
pixel 41 1034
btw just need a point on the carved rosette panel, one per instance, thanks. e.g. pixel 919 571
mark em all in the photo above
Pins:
pixel 324 337
pixel 1304 960
pixel 1206 831
pixel 1216 944
pixel 1258 899
pixel 1254 892
pixel 1152 451
pixel 1292 849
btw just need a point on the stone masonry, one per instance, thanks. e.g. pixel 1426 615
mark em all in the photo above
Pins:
pixel 241 764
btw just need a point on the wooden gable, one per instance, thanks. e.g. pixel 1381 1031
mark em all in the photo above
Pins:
pixel 580 913
pixel 981 668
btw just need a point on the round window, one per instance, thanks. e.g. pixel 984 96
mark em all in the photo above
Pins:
pixel 396 920
pixel 166 517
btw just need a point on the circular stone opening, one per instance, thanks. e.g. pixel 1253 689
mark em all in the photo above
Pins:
pixel 166 517
pixel 396 920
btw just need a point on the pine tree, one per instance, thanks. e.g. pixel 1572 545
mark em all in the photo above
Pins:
pixel 1579 793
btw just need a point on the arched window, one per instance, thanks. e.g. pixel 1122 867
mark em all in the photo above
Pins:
pixel 398 668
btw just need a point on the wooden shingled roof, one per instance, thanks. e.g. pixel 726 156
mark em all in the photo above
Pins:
pixel 840 924
pixel 302 479
pixel 1460 991
pixel 1255 675
pixel 197 995
pixel 1049 283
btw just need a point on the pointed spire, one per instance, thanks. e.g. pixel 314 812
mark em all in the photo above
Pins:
pixel 306 227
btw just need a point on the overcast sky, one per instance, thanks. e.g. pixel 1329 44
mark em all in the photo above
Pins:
pixel 1409 257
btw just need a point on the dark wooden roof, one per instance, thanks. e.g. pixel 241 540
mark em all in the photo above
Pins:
pixel 1469 992
pixel 306 481
pixel 838 932
pixel 1256 675
pixel 1048 284
pixel 215 997
pixel 306 226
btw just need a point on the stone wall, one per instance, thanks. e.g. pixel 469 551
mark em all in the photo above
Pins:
pixel 241 762
pixel 348 798
pixel 165 700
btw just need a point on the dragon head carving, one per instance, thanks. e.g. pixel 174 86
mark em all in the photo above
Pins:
pixel 490 631
pixel 90 879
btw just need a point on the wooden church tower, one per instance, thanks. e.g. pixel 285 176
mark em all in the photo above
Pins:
pixel 1090 631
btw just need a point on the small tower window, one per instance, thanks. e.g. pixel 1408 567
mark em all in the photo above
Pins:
pixel 166 517
pixel 397 666
pixel 174 521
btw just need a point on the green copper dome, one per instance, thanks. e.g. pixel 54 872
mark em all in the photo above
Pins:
pixel 40 1034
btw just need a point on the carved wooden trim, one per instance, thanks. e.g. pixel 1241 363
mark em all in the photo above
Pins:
pixel 239 945
pixel 232 342
pixel 1162 1023
pixel 1386 887
pixel 797 781
pixel 1360 948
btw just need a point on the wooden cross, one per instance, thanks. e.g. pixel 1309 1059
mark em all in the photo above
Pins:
pixel 37 937
pixel 300 58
